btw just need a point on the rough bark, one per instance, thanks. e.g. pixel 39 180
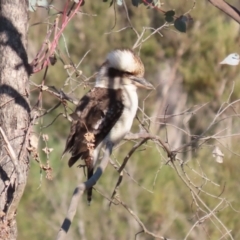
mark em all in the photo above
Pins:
pixel 14 112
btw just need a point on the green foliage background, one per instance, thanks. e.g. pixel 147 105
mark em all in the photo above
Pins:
pixel 168 210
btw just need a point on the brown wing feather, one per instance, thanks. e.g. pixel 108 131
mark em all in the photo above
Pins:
pixel 97 112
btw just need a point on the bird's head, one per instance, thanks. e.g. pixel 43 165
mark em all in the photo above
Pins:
pixel 122 68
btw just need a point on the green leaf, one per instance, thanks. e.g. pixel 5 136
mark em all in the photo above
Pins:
pixel 169 16
pixel 180 24
pixel 170 13
pixel 105 0
pixel 169 19
pixel 184 18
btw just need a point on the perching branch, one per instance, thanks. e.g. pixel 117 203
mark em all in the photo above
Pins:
pixel 79 191
pixel 56 93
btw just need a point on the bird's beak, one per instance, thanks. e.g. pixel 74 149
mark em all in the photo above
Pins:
pixel 142 83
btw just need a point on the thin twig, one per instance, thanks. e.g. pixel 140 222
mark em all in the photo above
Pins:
pixel 142 225
pixel 120 170
pixel 201 201
pixel 19 177
pixel 11 153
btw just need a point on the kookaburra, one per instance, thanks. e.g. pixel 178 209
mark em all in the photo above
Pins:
pixel 105 114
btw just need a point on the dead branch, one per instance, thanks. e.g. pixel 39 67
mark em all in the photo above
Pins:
pixel 57 93
pixel 43 57
pixel 144 229
pixel 11 153
pixel 128 174
pixel 171 155
pixel 227 8
pixel 120 170
pixel 79 191
pixel 19 178
pixel 196 198
pixel 146 135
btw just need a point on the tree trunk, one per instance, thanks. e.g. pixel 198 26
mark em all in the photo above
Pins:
pixel 14 112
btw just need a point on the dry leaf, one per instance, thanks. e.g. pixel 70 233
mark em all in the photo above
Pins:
pixel 47 150
pixel 67 66
pixel 45 137
pixel 2 214
pixel 217 154
pixel 90 138
pixel 44 88
pixel 33 141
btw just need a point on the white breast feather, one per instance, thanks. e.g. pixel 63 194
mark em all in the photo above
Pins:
pixel 98 123
pixel 124 124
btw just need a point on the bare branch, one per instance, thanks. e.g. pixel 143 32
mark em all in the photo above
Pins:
pixel 140 39
pixel 128 18
pixel 227 8
pixel 19 178
pixel 57 93
pixel 128 174
pixel 79 191
pixel 144 229
pixel 11 153
pixel 42 58
pixel 120 170
pixel 146 135
pixel 198 198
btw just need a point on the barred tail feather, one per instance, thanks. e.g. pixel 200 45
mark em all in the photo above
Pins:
pixel 89 191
